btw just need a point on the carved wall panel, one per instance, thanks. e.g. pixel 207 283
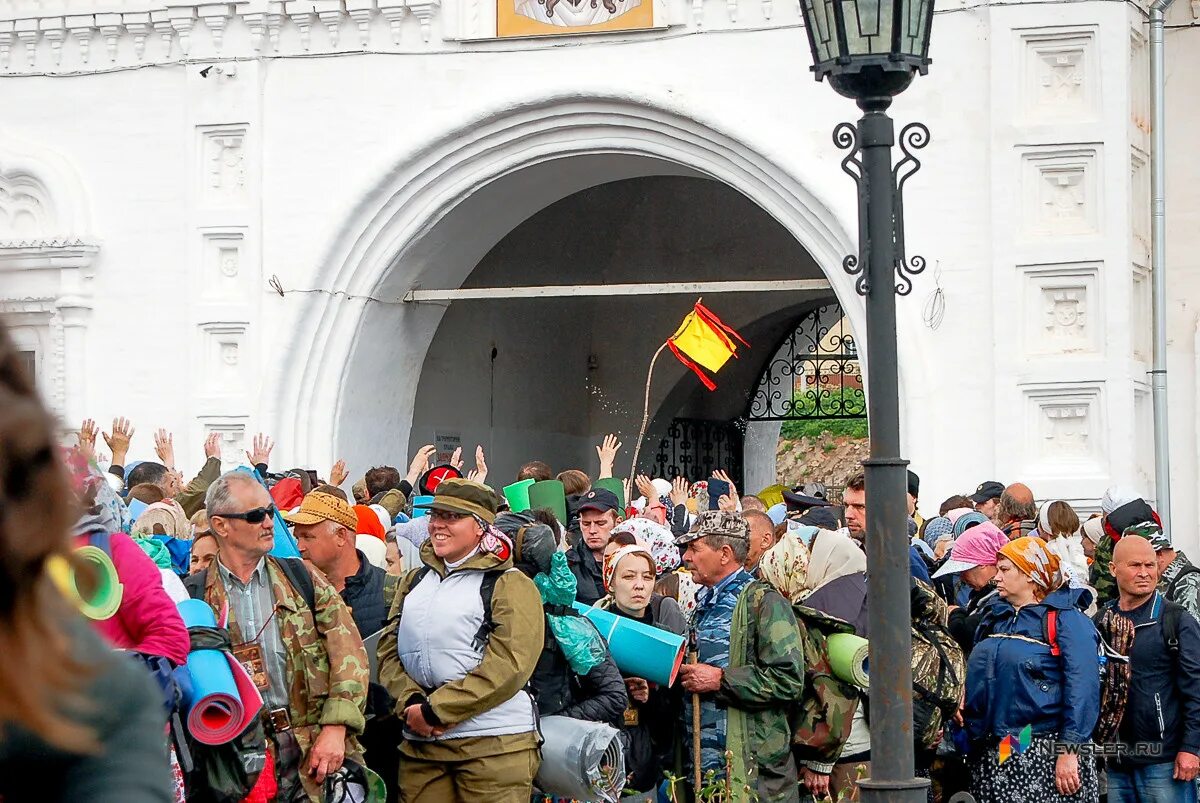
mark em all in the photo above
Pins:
pixel 1063 311
pixel 224 358
pixel 223 166
pixel 1141 314
pixel 1139 202
pixel 1065 427
pixel 233 440
pixel 1061 80
pixel 1059 193
pixel 223 270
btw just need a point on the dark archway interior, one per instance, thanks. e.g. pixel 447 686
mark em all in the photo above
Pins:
pixel 545 378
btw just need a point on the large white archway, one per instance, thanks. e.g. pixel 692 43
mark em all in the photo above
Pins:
pixel 430 221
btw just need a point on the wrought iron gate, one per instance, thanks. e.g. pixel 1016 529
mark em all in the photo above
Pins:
pixel 814 373
pixel 694 448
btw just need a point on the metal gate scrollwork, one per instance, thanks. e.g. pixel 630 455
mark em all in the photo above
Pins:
pixel 694 448
pixel 814 374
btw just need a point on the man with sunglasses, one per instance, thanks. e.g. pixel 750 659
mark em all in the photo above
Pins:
pixel 294 634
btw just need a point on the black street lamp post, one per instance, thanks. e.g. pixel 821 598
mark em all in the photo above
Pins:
pixel 870 50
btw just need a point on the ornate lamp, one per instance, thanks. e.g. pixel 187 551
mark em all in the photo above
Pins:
pixel 868 48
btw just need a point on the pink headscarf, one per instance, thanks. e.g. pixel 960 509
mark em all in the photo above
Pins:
pixel 979 545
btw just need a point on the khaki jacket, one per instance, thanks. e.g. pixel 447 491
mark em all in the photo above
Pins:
pixel 509 659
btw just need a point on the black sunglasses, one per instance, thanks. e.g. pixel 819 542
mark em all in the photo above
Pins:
pixel 254 516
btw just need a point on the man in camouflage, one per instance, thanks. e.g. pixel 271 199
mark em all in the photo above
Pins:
pixel 751 665
pixel 1178 579
pixel 310 664
pixel 1121 511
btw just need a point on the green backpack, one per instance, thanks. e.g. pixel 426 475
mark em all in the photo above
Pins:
pixel 939 671
pixel 822 718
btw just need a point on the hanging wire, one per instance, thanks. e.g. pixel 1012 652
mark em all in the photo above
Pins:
pixel 935 307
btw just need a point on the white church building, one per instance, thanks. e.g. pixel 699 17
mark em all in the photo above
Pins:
pixel 258 215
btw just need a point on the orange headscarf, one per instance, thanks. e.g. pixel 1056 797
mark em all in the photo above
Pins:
pixel 1034 559
pixel 368 522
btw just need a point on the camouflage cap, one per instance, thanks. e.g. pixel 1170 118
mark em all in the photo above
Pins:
pixel 726 523
pixel 1152 532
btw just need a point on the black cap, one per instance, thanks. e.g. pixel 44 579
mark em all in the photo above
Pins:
pixel 823 517
pixel 599 499
pixel 914 484
pixel 987 491
pixel 800 502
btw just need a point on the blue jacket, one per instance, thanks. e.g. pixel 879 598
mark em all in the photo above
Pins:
pixel 1013 680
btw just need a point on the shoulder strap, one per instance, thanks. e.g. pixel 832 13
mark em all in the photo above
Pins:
pixel 1050 630
pixel 656 603
pixel 1170 627
pixel 1175 581
pixel 102 540
pixel 487 587
pixel 297 574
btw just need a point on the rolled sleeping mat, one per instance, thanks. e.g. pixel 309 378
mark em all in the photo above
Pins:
pixel 549 494
pixel 418 501
pixel 616 486
pixel 639 650
pixel 848 658
pixel 581 760
pixel 224 699
pixel 517 495
pixel 101 592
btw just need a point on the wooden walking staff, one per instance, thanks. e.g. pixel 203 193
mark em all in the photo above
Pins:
pixel 694 658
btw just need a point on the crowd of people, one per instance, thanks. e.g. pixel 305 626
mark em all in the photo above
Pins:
pixel 427 628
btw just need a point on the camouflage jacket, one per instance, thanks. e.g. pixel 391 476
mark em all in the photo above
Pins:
pixel 823 716
pixel 1187 590
pixel 327 669
pixel 1099 575
pixel 763 678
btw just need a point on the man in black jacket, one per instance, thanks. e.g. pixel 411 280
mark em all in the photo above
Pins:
pixel 1162 713
pixel 598 512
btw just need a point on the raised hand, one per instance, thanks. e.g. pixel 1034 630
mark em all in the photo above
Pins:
pixel 679 491
pixel 731 500
pixel 338 474
pixel 479 474
pixel 646 487
pixel 456 459
pixel 118 441
pixel 261 452
pixel 420 463
pixel 212 445
pixel 164 447
pixel 607 452
pixel 87 438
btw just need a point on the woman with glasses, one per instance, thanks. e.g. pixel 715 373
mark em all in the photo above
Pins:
pixel 464 635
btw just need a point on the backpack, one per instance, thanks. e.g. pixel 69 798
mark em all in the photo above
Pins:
pixel 938 668
pixel 293 569
pixel 822 717
pixel 1174 584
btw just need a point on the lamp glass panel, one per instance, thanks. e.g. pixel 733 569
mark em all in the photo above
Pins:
pixel 868 27
pixel 914 31
pixel 818 15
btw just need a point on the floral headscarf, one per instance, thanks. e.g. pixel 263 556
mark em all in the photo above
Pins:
pixel 785 566
pixel 610 563
pixel 937 528
pixel 1032 556
pixel 658 539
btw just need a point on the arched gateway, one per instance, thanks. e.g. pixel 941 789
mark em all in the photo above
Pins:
pixel 566 192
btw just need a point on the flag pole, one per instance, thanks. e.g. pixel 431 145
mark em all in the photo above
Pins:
pixel 637 448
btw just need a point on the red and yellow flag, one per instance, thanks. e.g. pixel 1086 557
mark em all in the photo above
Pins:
pixel 704 341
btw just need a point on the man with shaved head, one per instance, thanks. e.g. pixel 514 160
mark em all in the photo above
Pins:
pixel 1161 714
pixel 1016 515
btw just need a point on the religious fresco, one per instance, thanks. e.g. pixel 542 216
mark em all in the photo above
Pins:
pixel 559 17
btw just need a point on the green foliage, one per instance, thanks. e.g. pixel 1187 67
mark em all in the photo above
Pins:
pixel 806 426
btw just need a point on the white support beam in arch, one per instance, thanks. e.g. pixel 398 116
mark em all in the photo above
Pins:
pixel 599 290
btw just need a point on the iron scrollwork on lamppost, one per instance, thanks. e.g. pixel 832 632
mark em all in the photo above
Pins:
pixel 913 137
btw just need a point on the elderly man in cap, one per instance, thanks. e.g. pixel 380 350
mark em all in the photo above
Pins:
pixel 751 663
pixel 598 513
pixel 325 527
pixel 464 635
pixel 293 633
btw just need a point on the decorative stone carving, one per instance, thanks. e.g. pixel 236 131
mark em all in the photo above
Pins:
pixel 222 270
pixel 24 212
pixel 233 438
pixel 394 15
pixel 1139 203
pixel 1065 429
pixel 80 29
pixel 1061 74
pixel 53 32
pixel 224 166
pixel 1062 309
pixel 222 368
pixel 139 27
pixel 110 28
pixel 1059 193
